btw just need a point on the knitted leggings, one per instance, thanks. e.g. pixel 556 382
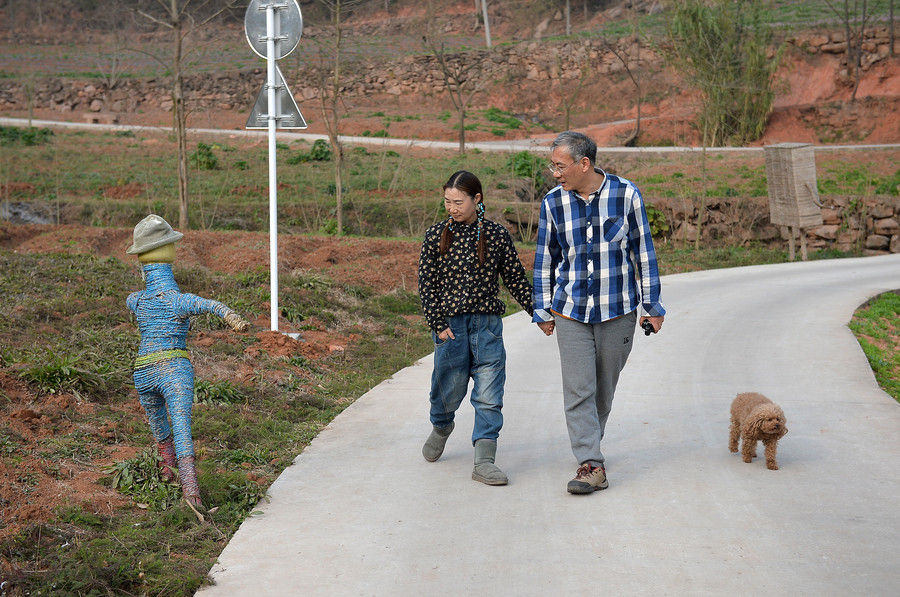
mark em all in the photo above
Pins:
pixel 166 391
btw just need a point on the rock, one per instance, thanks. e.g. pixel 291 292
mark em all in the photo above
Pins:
pixel 895 244
pixel 880 210
pixel 874 252
pixel 886 227
pixel 687 232
pixel 828 231
pixel 877 241
pixel 96 105
pixel 831 216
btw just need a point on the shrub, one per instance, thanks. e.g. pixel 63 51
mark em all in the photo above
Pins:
pixel 658 224
pixel 722 48
pixel 10 135
pixel 204 158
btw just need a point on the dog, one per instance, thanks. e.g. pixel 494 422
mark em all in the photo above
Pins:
pixel 756 418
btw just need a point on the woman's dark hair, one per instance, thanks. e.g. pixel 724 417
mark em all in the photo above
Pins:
pixel 469 184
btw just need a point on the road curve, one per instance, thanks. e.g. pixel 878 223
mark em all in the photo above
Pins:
pixel 360 512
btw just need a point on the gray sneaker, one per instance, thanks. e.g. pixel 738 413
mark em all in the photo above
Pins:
pixel 588 479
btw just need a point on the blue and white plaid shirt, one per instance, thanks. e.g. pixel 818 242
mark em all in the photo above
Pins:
pixel 594 259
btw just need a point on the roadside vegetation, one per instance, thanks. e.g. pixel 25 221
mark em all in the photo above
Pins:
pixel 114 179
pixel 877 327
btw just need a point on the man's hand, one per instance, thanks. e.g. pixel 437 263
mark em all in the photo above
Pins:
pixel 236 322
pixel 547 327
pixel 448 333
pixel 656 322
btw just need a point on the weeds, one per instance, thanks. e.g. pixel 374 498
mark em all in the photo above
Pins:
pixel 218 393
pixel 56 373
pixel 138 478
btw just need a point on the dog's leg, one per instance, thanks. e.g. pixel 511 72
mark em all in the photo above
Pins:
pixel 748 448
pixel 733 434
pixel 771 445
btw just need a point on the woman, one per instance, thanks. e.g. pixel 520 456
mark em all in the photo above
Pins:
pixel 461 259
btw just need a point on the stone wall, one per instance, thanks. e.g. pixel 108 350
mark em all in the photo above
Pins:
pixel 869 224
pixel 412 75
pixel 875 48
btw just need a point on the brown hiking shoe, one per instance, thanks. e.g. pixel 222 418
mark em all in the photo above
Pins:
pixel 588 479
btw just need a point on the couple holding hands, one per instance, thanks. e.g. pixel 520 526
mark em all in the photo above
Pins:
pixel 594 266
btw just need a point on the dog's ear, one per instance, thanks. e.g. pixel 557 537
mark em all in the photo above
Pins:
pixel 752 424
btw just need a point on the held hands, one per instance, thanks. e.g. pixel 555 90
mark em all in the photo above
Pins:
pixel 236 322
pixel 547 327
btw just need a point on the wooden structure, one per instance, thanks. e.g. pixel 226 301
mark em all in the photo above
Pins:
pixel 793 195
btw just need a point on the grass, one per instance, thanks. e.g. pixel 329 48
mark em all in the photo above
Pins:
pixel 245 433
pixel 877 328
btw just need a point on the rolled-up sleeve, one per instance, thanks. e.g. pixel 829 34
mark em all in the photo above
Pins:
pixel 640 244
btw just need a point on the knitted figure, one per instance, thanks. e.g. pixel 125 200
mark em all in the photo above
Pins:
pixel 163 375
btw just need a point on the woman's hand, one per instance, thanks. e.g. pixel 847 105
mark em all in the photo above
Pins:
pixel 448 333
pixel 547 327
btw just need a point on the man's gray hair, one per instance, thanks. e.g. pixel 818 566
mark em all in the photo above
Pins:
pixel 578 145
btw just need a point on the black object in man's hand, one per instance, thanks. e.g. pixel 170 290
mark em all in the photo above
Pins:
pixel 647 327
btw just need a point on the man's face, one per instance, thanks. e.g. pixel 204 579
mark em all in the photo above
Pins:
pixel 568 172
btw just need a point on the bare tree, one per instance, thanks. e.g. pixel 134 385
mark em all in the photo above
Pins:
pixel 854 15
pixel 569 93
pixel 462 74
pixel 111 58
pixel 332 51
pixel 182 18
pixel 620 50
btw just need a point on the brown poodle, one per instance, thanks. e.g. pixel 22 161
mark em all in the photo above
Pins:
pixel 756 418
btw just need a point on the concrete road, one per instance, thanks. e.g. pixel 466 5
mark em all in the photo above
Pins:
pixel 511 145
pixel 360 512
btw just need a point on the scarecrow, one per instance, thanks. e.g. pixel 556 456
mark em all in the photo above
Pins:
pixel 163 375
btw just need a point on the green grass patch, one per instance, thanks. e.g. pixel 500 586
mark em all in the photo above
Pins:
pixel 877 328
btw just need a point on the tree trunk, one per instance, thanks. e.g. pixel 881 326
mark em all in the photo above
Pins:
pixel 891 28
pixel 180 122
pixel 336 106
pixel 462 129
pixel 338 187
pixel 487 24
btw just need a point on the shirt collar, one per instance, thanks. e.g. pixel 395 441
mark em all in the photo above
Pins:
pixel 599 189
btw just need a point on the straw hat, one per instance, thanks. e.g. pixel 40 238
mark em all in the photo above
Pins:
pixel 151 233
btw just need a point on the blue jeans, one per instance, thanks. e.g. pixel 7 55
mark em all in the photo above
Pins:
pixel 477 352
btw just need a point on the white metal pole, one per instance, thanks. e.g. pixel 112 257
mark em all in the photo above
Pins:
pixel 271 82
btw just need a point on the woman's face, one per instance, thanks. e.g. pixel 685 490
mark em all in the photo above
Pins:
pixel 460 205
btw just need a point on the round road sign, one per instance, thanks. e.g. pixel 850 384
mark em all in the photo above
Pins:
pixel 290 23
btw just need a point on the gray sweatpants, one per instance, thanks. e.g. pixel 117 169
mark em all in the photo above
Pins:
pixel 592 356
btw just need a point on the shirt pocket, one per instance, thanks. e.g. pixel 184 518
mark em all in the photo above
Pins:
pixel 614 229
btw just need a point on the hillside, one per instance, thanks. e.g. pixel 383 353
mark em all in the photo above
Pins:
pixel 393 87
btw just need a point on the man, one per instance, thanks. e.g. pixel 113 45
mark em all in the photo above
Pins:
pixel 594 264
